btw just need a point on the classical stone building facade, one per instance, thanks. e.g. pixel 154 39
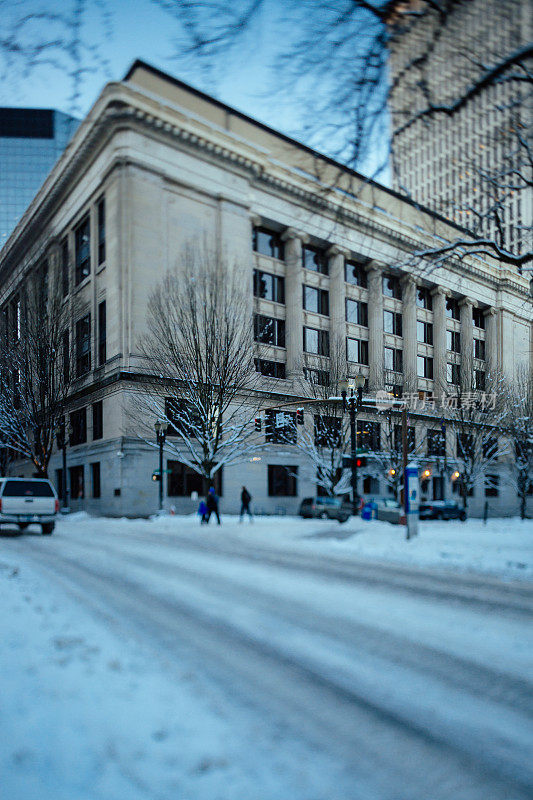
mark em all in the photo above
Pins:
pixel 156 165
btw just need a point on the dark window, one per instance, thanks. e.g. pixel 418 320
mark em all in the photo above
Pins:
pixel 315 259
pixel 83 345
pixel 479 349
pixel 357 350
pixel 424 299
pixel 478 318
pixel 424 332
pixel 393 359
pixel 268 330
pixel 82 238
pixel 271 369
pixel 424 367
pixel 492 485
pixel 490 449
pixel 282 480
pixel 398 438
pixel 27 489
pixel 452 308
pixel 453 374
pixel 98 420
pixel 316 300
pixel 280 427
pixel 392 287
pixel 392 322
pixel 16 319
pixel 370 485
pixel 182 417
pixel 453 341
pixel 318 377
pixel 355 274
pixel 77 482
pixel 183 480
pixel 64 267
pixel 328 431
pixel 465 445
pixel 102 333
pixel 436 443
pixel 368 435
pixel 95 479
pixel 268 243
pixel 78 421
pixel 480 379
pixel 66 357
pixel 357 311
pixel 316 342
pixel 269 287
pixel 101 231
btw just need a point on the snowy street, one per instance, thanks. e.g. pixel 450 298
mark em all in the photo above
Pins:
pixel 285 660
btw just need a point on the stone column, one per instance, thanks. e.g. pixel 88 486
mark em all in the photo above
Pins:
pixel 293 302
pixel 337 299
pixel 467 344
pixel 439 340
pixel 410 348
pixel 375 327
pixel 491 341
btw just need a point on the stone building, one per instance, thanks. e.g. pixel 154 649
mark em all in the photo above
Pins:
pixel 156 164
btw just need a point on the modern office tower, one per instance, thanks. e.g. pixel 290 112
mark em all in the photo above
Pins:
pixel 466 165
pixel 31 141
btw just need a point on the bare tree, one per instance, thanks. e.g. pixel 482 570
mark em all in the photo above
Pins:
pixel 519 432
pixel 200 368
pixel 35 367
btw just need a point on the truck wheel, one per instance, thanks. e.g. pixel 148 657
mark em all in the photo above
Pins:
pixel 48 527
pixel 23 526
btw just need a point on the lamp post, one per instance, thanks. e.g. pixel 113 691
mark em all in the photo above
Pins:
pixel 161 434
pixel 354 405
pixel 64 432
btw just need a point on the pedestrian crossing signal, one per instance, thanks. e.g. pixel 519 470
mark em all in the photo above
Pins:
pixel 258 424
pixel 156 476
pixel 299 416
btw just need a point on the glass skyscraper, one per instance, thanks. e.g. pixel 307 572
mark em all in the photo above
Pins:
pixel 31 141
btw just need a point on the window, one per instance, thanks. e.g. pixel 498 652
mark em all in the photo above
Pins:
pixel 392 322
pixel 393 359
pixel 82 241
pixel 95 479
pixel 282 480
pixel 316 341
pixel 270 369
pixel 182 417
pixel 436 443
pixel 268 330
pixel 452 308
pixel 280 427
pixel 424 367
pixel 453 374
pixel 101 231
pixel 316 300
pixel 453 341
pixel 479 349
pixel 480 379
pixel 357 350
pixel 368 435
pixel 102 333
pixel 424 298
pixel 392 287
pixel 318 377
pixel 355 274
pixel 66 357
pixel 78 421
pixel 269 287
pixel 478 318
pixel 398 438
pixel 83 346
pixel 315 259
pixel 492 485
pixel 64 267
pixel 424 332
pixel 357 312
pixel 98 420
pixel 328 431
pixel 77 482
pixel 16 319
pixel 370 485
pixel 465 445
pixel 268 243
pixel 183 481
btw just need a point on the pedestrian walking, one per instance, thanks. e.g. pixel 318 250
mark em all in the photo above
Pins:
pixel 202 512
pixel 212 505
pixel 246 498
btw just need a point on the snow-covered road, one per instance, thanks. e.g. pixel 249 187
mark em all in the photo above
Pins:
pixel 165 660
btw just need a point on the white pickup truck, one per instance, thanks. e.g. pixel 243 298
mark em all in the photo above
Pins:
pixel 26 501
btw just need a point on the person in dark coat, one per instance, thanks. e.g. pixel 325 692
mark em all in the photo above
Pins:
pixel 212 505
pixel 246 498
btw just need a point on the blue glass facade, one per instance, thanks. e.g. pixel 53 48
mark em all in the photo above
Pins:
pixel 31 141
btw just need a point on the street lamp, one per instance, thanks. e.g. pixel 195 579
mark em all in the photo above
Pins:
pixel 64 431
pixel 354 405
pixel 161 434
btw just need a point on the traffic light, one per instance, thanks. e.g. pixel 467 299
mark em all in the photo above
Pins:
pixel 156 476
pixel 258 424
pixel 299 416
pixel 361 461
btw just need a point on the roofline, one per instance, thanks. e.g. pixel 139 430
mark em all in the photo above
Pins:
pixel 315 153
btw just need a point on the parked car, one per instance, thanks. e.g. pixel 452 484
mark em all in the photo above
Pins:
pixel 441 509
pixel 325 508
pixel 24 501
pixel 387 509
